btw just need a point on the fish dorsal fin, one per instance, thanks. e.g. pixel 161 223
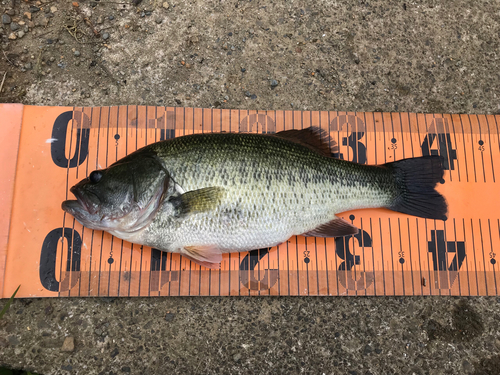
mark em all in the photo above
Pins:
pixel 206 256
pixel 336 228
pixel 312 137
pixel 195 201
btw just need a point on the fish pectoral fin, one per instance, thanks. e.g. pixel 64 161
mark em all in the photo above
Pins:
pixel 312 137
pixel 201 200
pixel 336 228
pixel 206 256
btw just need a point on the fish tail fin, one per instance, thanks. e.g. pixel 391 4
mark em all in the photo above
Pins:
pixel 416 180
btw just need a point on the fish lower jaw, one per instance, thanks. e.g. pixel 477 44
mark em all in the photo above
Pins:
pixel 134 237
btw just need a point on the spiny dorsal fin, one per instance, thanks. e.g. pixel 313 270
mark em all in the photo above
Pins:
pixel 336 228
pixel 312 137
pixel 200 200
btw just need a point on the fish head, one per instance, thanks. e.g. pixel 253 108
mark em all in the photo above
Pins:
pixel 122 197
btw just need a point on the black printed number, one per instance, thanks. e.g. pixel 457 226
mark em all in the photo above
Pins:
pixel 358 148
pixel 438 247
pixel 48 255
pixel 347 279
pixel 445 149
pixel 247 272
pixel 60 132
pixel 159 275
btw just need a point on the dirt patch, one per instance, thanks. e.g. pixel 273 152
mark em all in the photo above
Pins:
pixel 421 57
pixel 466 324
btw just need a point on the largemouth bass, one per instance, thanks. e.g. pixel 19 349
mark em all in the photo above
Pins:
pixel 203 195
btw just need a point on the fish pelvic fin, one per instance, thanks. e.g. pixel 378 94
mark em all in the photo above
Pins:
pixel 336 228
pixel 416 180
pixel 204 255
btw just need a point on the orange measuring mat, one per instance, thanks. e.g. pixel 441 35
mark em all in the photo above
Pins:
pixel 49 254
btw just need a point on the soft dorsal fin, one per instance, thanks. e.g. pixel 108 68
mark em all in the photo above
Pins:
pixel 336 228
pixel 312 137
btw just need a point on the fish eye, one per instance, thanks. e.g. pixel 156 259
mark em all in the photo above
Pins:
pixel 95 177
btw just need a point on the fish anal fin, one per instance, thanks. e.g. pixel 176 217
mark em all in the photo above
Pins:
pixel 312 137
pixel 336 228
pixel 204 255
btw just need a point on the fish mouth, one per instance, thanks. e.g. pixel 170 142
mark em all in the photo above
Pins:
pixel 81 211
pixel 80 206
pixel 73 207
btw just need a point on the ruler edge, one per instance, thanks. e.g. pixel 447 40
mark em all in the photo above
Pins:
pixel 12 130
pixel 449 116
pixel 222 110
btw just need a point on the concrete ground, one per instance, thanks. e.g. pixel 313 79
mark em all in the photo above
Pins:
pixel 419 56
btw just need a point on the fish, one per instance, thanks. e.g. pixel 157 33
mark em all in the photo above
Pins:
pixel 203 195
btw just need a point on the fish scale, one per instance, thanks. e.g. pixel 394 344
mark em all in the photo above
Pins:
pixel 279 188
pixel 202 195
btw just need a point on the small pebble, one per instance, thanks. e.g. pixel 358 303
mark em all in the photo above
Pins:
pixel 11 12
pixel 53 9
pixel 274 83
pixel 105 36
pixel 76 53
pixel 14 26
pixel 158 20
pixel 111 18
pixel 27 15
pixel 12 36
pixel 28 66
pixel 169 317
pixel 248 94
pixel 49 310
pixel 6 19
pixel 52 59
pixel 166 5
pixel 243 70
pixel 34 9
pixel 68 344
pixel 20 34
